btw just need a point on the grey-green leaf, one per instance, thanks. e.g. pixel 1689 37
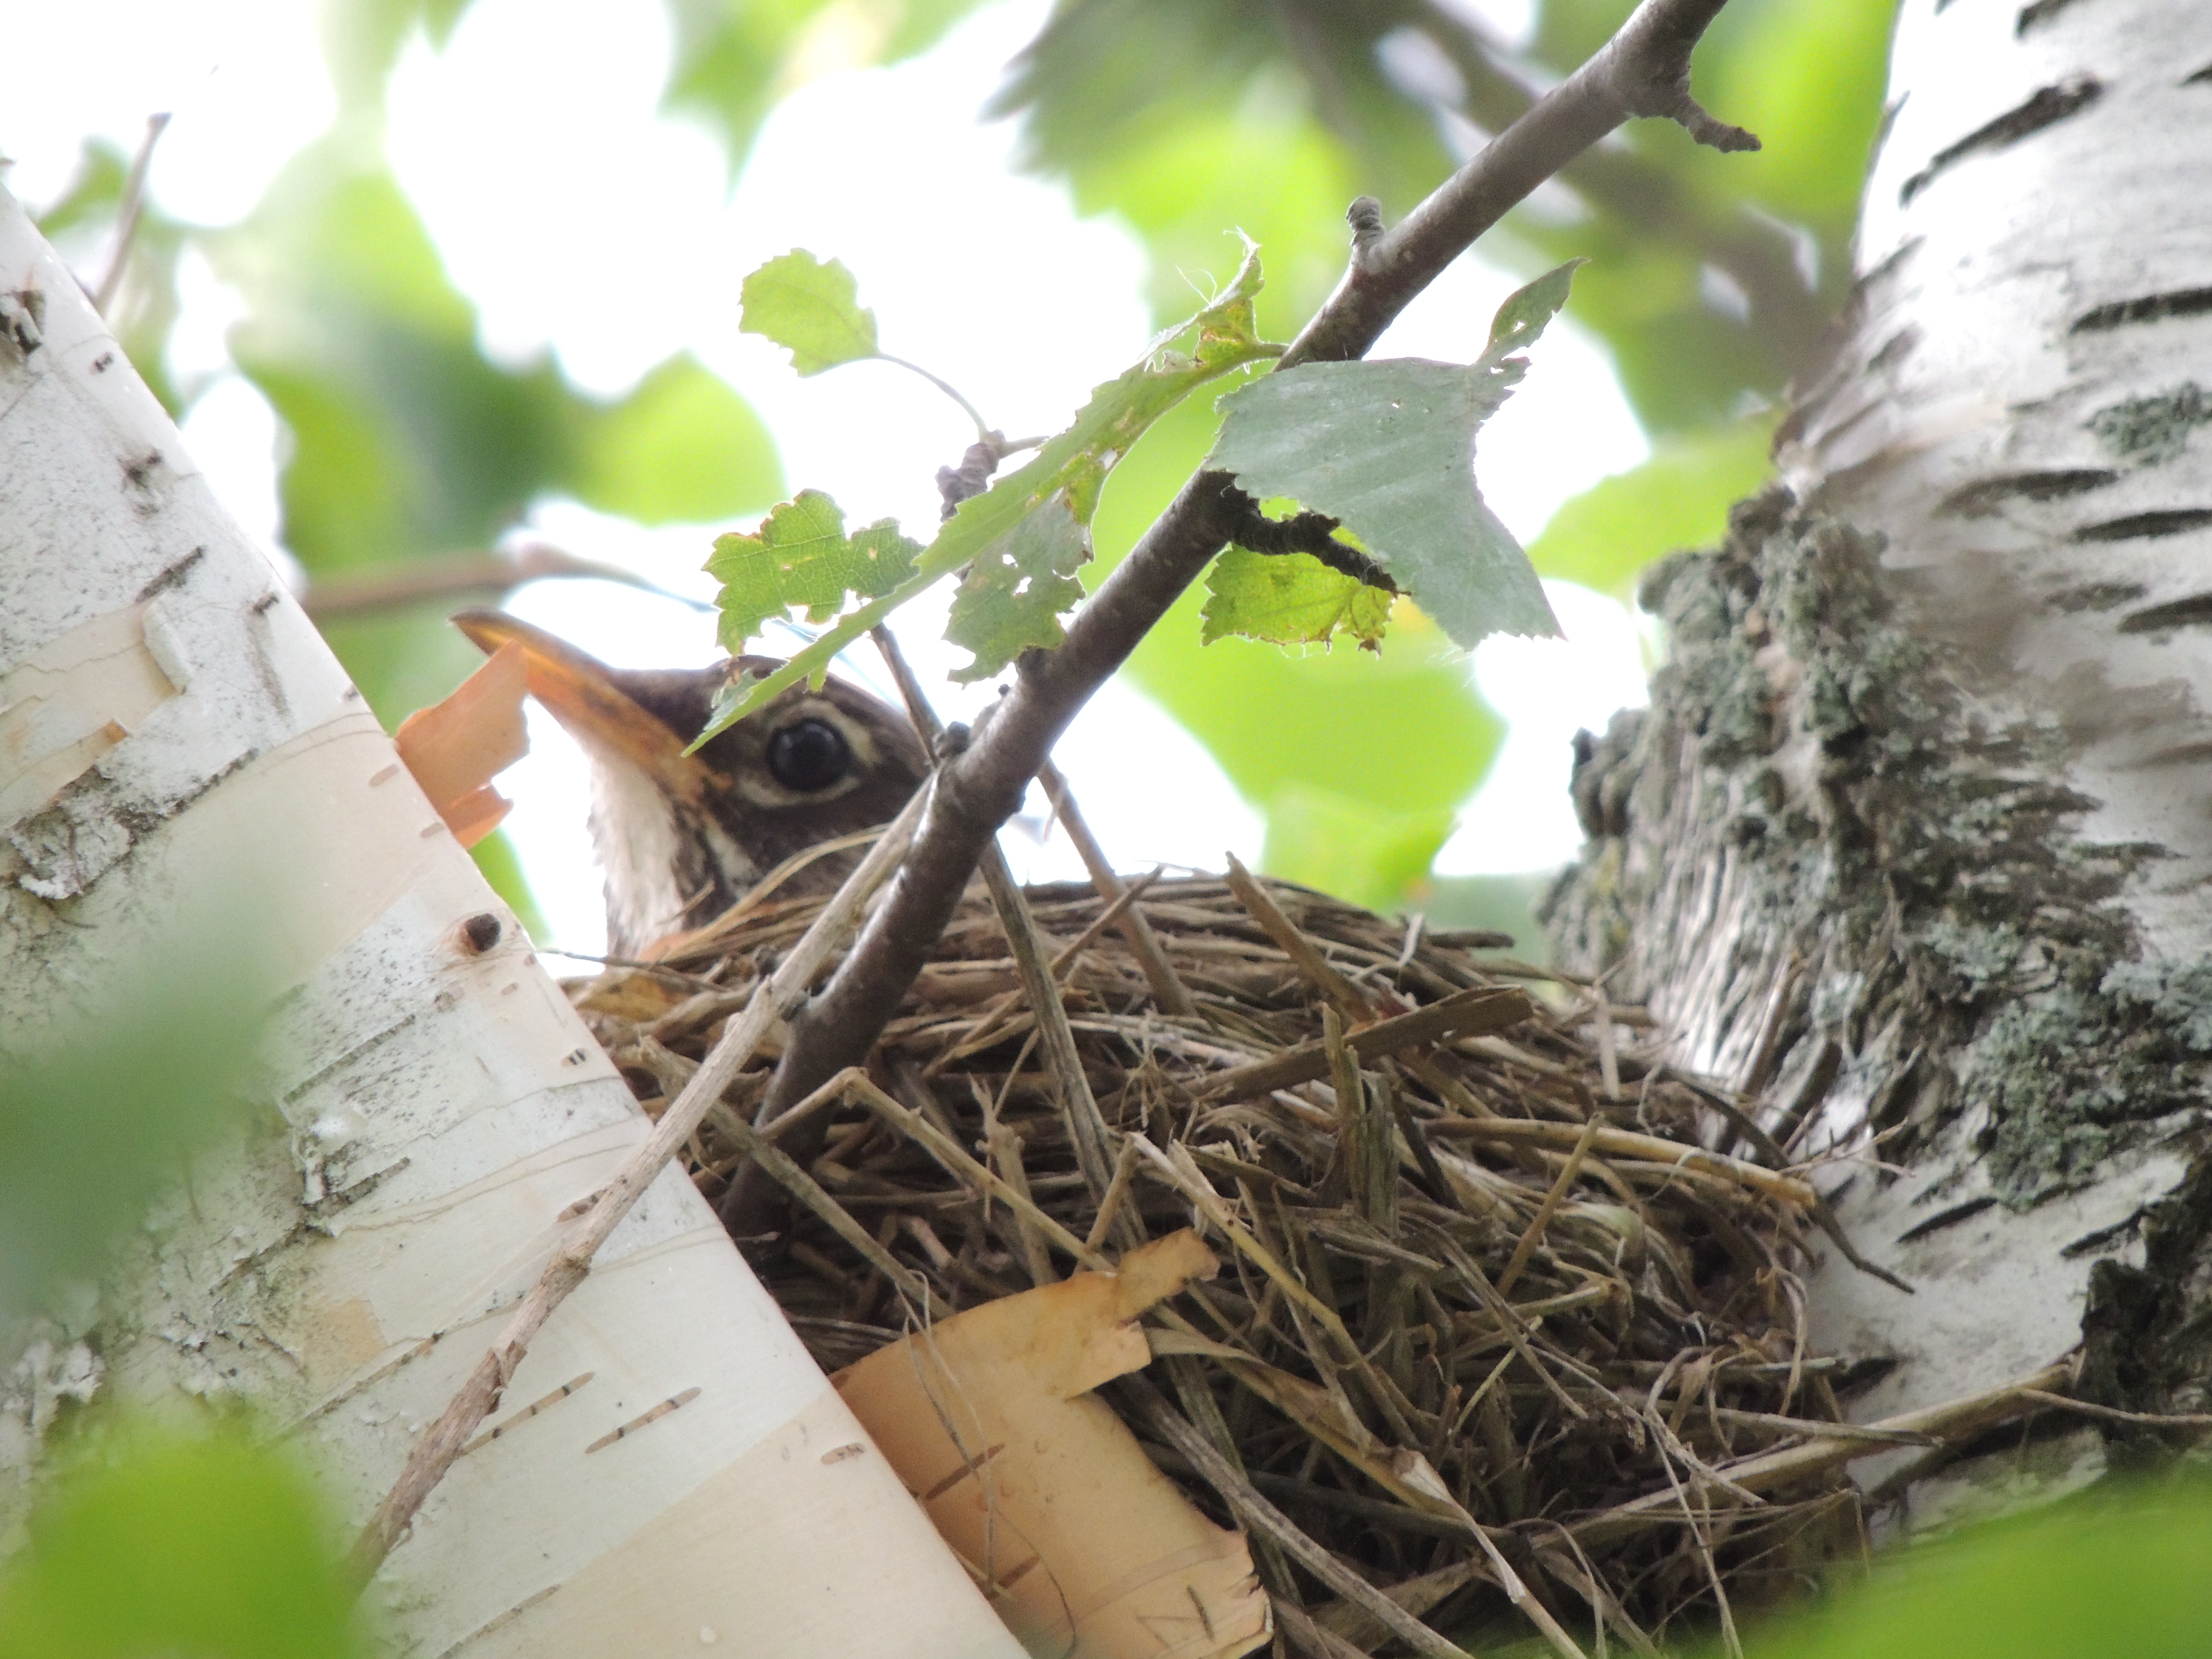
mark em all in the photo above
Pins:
pixel 1386 448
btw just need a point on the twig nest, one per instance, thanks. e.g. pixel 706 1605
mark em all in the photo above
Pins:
pixel 1573 1302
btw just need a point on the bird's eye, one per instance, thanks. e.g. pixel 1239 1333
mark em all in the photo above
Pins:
pixel 808 755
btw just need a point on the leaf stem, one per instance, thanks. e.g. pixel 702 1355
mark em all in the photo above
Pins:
pixel 982 426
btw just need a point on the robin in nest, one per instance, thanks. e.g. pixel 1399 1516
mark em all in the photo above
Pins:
pixel 682 837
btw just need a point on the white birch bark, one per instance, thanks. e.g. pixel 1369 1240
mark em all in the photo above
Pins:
pixel 2012 405
pixel 170 724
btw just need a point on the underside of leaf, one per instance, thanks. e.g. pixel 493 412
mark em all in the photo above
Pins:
pixel 811 309
pixel 1291 598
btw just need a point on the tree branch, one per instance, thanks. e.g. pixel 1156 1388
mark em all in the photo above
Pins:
pixel 1643 70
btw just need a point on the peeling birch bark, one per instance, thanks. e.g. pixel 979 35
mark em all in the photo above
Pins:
pixel 1916 842
pixel 668 1467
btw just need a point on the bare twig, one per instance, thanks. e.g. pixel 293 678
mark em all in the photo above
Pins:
pixel 1167 989
pixel 1258 1513
pixel 128 213
pixel 479 1396
pixel 461 576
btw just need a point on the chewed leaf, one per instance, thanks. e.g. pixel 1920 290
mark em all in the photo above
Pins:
pixel 1066 475
pixel 1527 310
pixel 1016 589
pixel 1387 449
pixel 1290 598
pixel 812 308
pixel 800 556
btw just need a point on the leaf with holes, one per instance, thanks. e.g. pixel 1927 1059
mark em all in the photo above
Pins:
pixel 1067 473
pixel 810 308
pixel 801 558
pixel 1387 449
pixel 1291 598
pixel 1013 593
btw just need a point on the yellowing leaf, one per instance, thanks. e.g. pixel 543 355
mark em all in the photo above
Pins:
pixel 1291 598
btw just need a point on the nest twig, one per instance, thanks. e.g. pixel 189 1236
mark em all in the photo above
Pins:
pixel 1489 1231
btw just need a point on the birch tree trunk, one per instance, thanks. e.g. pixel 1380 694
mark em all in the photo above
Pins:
pixel 1915 842
pixel 174 738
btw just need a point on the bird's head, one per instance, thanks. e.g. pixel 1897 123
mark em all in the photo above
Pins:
pixel 682 837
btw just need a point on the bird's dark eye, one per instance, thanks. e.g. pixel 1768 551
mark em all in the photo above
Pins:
pixel 808 755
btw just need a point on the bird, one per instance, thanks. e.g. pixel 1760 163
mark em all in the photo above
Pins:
pixel 682 837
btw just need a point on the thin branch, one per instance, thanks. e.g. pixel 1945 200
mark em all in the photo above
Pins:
pixel 1643 70
pixel 127 214
pixel 1760 255
pixel 1309 533
pixel 464 576
pixel 479 1396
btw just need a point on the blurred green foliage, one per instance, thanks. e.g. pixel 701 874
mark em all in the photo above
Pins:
pixel 99 1111
pixel 153 1543
pixel 2115 1573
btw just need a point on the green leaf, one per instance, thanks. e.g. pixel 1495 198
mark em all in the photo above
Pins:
pixel 811 309
pixel 168 1545
pixel 1290 598
pixel 1013 593
pixel 1529 310
pixel 681 449
pixel 1386 448
pixel 1679 498
pixel 801 557
pixel 1070 470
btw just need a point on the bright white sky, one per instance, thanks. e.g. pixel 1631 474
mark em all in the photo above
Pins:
pixel 532 147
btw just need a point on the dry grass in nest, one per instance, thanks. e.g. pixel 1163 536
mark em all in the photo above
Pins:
pixel 1515 1251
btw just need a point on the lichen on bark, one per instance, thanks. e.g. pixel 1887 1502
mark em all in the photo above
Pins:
pixel 1838 853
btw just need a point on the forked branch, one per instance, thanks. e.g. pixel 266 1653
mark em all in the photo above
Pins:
pixel 1643 71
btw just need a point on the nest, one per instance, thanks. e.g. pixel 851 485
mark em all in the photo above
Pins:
pixel 1467 1215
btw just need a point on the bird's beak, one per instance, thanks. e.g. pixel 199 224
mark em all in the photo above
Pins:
pixel 580 691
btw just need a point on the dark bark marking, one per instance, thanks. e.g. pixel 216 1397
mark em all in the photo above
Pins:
pixel 2179 613
pixel 1950 1218
pixel 2150 308
pixel 1982 499
pixel 2141 526
pixel 2180 754
pixel 173 576
pixel 1896 349
pixel 2050 106
pixel 2202 77
pixel 2097 596
pixel 2037 14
